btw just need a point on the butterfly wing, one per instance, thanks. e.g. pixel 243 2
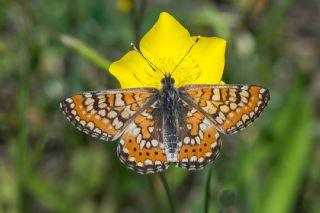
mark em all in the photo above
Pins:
pixel 199 139
pixel 230 108
pixel 207 109
pixel 141 147
pixel 105 114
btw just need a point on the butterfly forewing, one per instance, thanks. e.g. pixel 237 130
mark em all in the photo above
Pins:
pixel 105 114
pixel 230 107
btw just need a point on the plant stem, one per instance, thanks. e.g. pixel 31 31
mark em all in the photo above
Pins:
pixel 167 189
pixel 207 191
pixel 137 14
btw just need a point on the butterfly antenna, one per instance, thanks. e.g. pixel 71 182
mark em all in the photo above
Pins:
pixel 194 43
pixel 153 67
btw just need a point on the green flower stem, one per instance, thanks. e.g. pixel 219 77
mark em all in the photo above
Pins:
pixel 22 139
pixel 84 50
pixel 137 15
pixel 167 189
pixel 207 191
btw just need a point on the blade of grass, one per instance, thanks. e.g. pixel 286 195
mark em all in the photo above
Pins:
pixel 84 50
pixel 288 174
pixel 167 190
pixel 207 191
pixel 22 140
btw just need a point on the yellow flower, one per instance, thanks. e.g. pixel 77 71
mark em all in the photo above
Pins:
pixel 165 45
pixel 124 5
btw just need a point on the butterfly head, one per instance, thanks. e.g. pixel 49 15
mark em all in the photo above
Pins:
pixel 167 81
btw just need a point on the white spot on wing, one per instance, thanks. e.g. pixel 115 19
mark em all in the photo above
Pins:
pixel 89 101
pixel 90 125
pixel 245 117
pixel 69 100
pixel 97 130
pixel 186 140
pixel 219 120
pixel 148 145
pixel 117 124
pixel 154 143
pixel 119 101
pixel 83 123
pixel 216 95
pixel 142 143
pixel 193 159
pixel 224 108
pixel 189 126
pixel 244 93
pixel 112 114
pixel 151 128
pixel 233 106
pixel 131 159
pixel 200 134
pixel 157 162
pixel 197 139
pixel 147 162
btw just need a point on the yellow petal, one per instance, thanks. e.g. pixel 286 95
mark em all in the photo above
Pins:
pixel 166 39
pixel 204 64
pixel 133 71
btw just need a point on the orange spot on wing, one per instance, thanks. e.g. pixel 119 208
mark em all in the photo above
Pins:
pixel 195 120
pixel 224 94
pixel 139 154
pixel 128 98
pixel 144 128
pixel 111 100
pixel 199 150
pixel 142 95
pixel 202 103
pixel 139 119
pixel 134 107
pixel 100 123
pixel 207 92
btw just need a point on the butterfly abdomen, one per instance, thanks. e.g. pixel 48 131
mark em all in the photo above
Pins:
pixel 170 135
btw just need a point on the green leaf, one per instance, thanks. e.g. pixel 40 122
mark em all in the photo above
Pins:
pixel 84 50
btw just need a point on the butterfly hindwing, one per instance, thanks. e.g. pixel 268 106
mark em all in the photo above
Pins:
pixel 104 114
pixel 230 107
pixel 200 140
pixel 141 147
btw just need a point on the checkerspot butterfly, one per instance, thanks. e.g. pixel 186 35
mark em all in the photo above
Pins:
pixel 170 125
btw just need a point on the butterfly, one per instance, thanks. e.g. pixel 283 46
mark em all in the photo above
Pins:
pixel 170 125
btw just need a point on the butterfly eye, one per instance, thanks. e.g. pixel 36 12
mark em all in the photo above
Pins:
pixel 163 81
pixel 171 80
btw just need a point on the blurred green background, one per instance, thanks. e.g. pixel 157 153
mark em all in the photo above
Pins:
pixel 50 50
